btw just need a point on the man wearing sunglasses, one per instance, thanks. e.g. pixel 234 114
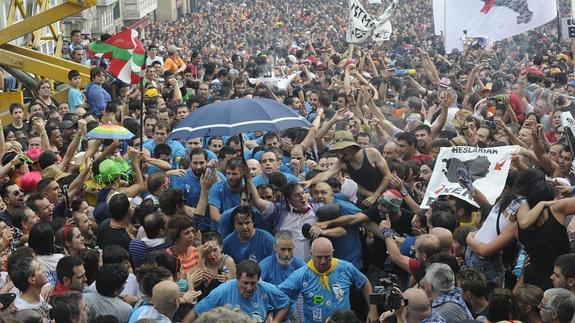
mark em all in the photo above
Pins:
pixel 13 198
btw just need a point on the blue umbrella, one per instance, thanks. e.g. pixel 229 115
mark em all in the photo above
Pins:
pixel 231 117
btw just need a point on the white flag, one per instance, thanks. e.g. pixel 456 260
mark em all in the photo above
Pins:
pixel 493 19
pixel 360 23
pixel 487 167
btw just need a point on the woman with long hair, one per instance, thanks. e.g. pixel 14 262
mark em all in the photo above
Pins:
pixel 537 220
pixel 501 217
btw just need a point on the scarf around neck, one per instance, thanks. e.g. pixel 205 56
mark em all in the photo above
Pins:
pixel 323 277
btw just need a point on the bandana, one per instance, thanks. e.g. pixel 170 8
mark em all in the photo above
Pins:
pixel 323 277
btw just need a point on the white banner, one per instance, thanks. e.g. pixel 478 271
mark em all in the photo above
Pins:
pixel 281 82
pixel 487 167
pixel 568 122
pixel 494 19
pixel 361 25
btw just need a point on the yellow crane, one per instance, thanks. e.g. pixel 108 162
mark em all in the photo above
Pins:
pixel 29 60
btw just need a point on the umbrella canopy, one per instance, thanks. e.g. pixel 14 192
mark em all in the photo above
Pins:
pixel 110 131
pixel 231 117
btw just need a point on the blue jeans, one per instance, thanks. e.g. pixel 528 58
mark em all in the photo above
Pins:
pixel 491 267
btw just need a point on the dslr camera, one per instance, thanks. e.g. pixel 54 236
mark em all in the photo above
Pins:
pixel 387 295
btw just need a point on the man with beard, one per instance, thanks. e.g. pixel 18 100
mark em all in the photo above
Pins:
pixel 424 138
pixel 247 242
pixel 226 194
pixel 13 198
pixel 277 267
pixel 190 185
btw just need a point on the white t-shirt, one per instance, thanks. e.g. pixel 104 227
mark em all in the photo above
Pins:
pixel 488 231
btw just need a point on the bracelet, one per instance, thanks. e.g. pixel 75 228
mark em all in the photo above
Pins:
pixel 43 133
pixel 79 136
pixel 388 233
pixel 403 192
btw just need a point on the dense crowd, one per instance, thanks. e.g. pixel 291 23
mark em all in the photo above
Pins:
pixel 307 225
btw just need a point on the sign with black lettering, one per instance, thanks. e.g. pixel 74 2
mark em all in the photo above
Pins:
pixel 486 168
pixel 568 28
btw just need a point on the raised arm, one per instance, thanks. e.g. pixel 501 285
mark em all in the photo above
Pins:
pixel 73 147
pixel 138 186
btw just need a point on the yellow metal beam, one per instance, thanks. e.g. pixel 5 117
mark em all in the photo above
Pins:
pixel 69 65
pixel 54 68
pixel 43 19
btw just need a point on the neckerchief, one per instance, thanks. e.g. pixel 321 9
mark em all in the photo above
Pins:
pixel 323 277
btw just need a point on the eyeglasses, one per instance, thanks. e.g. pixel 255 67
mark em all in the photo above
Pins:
pixel 17 193
pixel 541 307
pixel 45 87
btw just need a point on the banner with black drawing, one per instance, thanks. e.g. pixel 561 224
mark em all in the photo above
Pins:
pixel 460 170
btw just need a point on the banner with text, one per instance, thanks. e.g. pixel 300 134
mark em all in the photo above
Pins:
pixel 568 122
pixel 487 168
pixel 361 25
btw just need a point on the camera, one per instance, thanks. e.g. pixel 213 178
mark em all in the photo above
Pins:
pixel 386 296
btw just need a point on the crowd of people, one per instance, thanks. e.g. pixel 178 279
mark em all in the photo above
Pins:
pixel 324 224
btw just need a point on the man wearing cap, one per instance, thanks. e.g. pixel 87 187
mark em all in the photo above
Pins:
pixel 75 96
pixel 153 55
pixel 174 63
pixel 68 129
pixel 365 166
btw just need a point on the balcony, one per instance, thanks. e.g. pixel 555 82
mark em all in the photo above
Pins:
pixel 136 9
pixel 105 3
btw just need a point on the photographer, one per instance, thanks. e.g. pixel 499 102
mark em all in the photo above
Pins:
pixel 415 308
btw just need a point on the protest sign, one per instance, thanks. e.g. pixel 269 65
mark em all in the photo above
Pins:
pixel 361 25
pixel 487 167
pixel 281 82
pixel 568 28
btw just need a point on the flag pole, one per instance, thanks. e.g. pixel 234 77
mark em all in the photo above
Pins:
pixel 142 102
pixel 558 23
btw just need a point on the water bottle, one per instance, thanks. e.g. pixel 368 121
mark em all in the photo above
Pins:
pixel 404 72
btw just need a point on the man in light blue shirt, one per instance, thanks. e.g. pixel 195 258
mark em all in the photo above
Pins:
pixel 247 242
pixel 161 130
pixel 226 194
pixel 256 298
pixel 325 284
pixel 270 164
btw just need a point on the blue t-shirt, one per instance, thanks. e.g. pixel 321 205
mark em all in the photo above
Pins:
pixel 190 185
pixel 349 247
pixel 178 149
pixel 259 247
pixel 267 298
pixel 262 179
pixel 222 197
pixel 75 98
pixel 274 273
pixel 226 225
pixel 318 302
